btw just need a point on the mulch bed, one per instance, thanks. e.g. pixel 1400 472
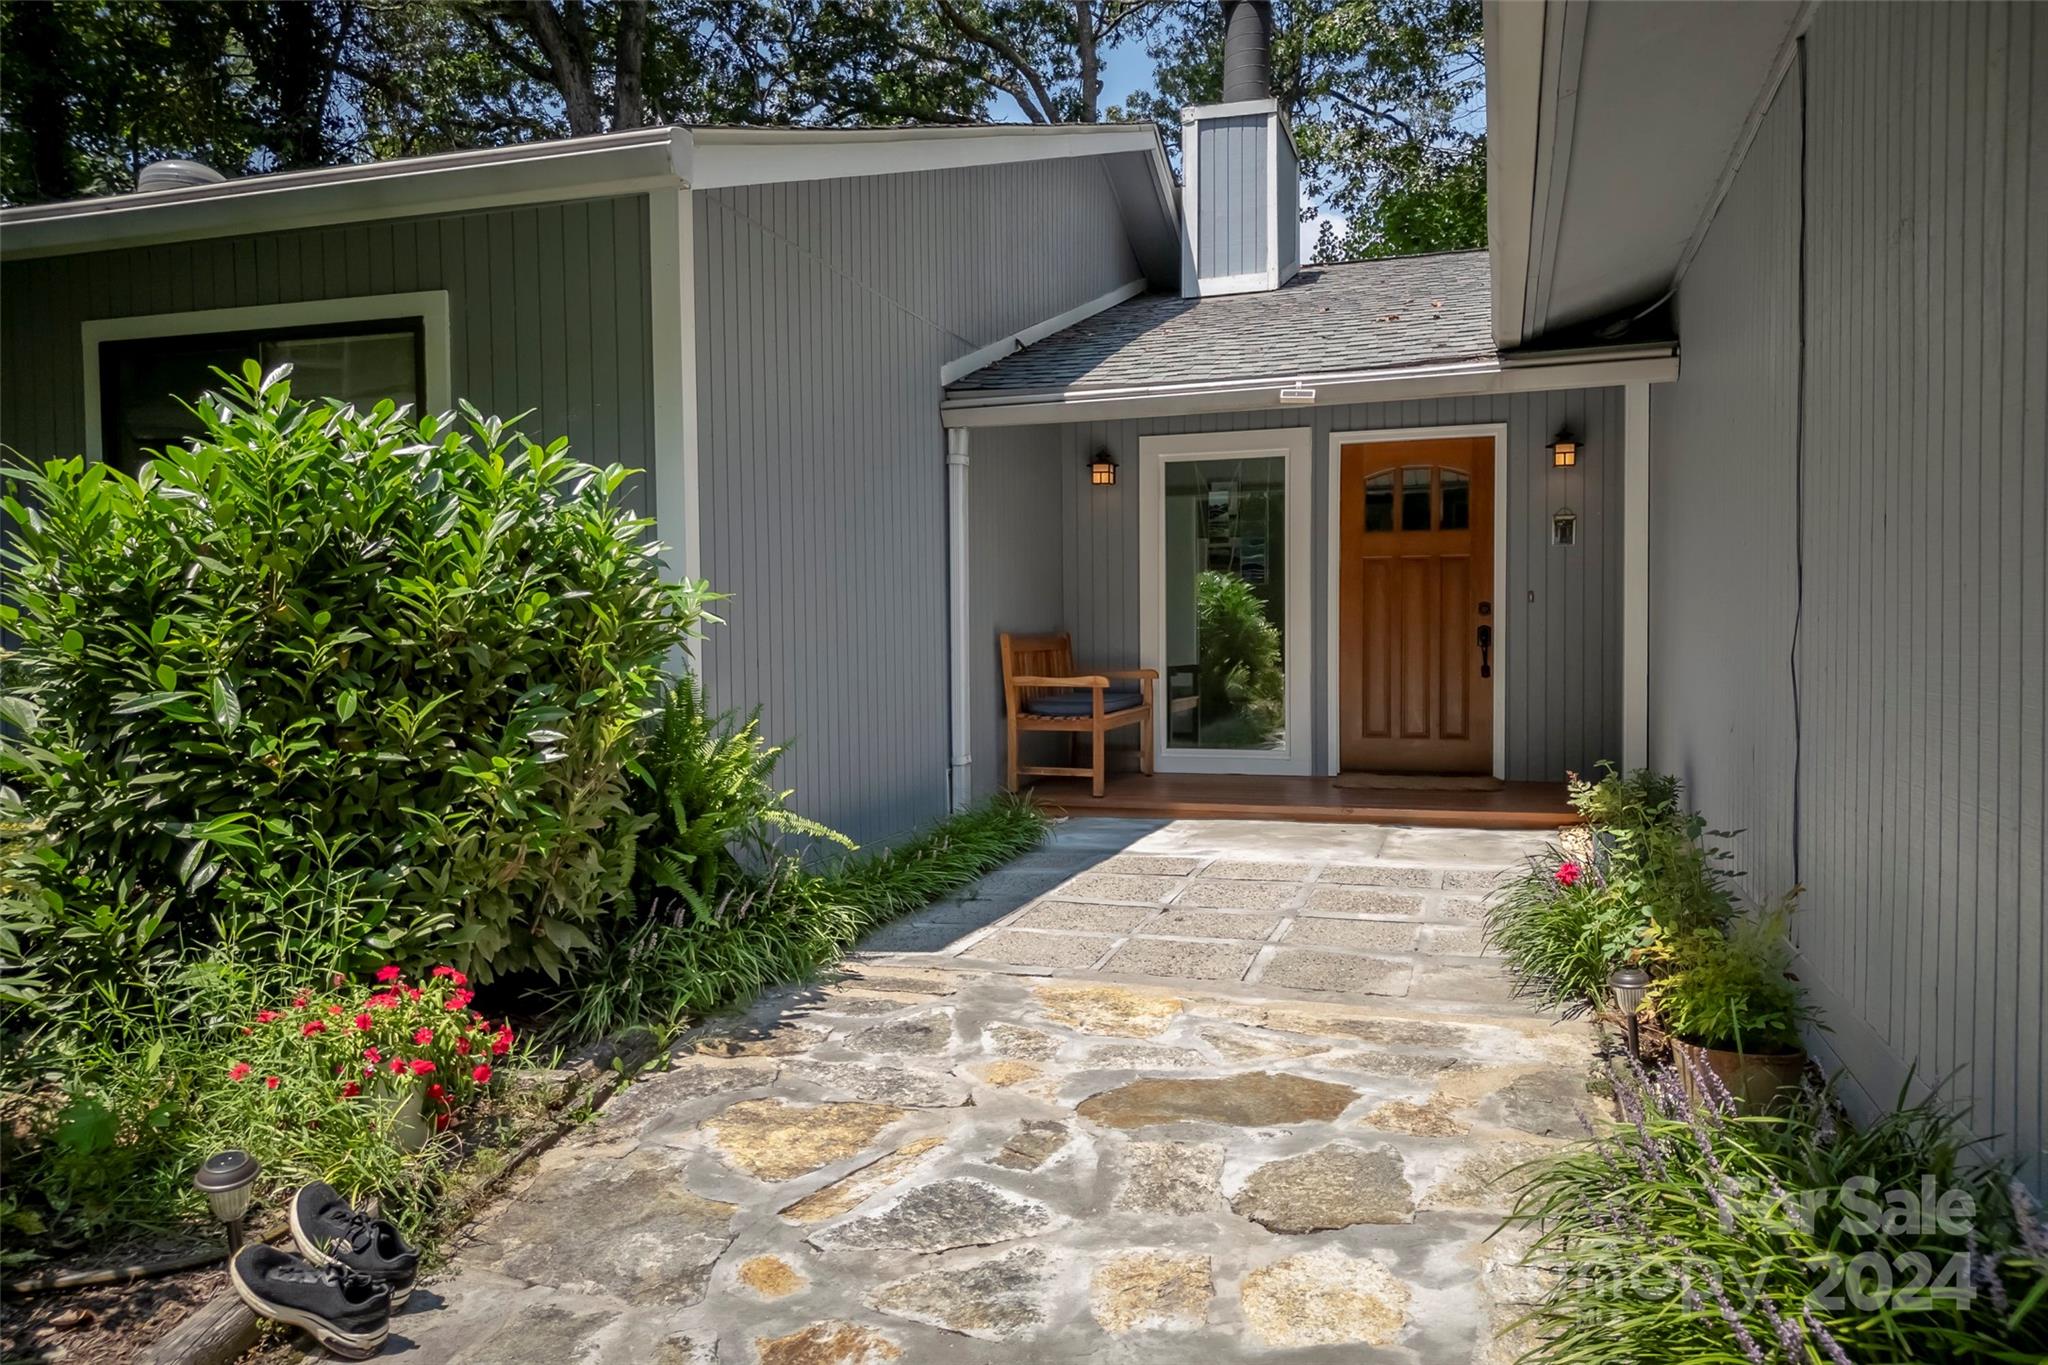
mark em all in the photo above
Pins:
pixel 103 1323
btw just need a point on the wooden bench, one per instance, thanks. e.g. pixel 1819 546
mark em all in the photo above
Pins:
pixel 1043 692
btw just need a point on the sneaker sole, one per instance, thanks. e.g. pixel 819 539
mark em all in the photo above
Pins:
pixel 347 1345
pixel 317 1257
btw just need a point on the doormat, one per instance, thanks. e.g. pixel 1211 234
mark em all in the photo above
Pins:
pixel 1419 782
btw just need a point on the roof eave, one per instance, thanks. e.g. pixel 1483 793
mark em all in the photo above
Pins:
pixel 634 162
pixel 1449 379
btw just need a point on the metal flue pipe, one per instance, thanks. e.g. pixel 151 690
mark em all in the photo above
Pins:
pixel 1247 50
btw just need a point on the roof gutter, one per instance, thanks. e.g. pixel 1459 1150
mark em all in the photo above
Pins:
pixel 1457 379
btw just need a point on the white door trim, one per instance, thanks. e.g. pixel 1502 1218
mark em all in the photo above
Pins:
pixel 1296 446
pixel 1502 636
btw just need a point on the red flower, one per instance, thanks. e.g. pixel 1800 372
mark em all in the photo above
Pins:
pixel 412 992
pixel 421 1066
pixel 462 1046
pixel 299 1002
pixel 382 1000
pixel 334 1009
pixel 441 1121
pixel 390 973
pixel 398 1066
pixel 238 1071
pixel 459 1001
pixel 270 1082
pixel 482 1074
pixel 501 1044
pixel 372 1054
pixel 435 1092
pixel 351 1090
pixel 1568 874
pixel 311 1027
pixel 422 1036
pixel 265 1016
pixel 363 1022
pixel 457 977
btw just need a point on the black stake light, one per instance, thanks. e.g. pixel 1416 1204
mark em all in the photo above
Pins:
pixel 228 1180
pixel 1628 985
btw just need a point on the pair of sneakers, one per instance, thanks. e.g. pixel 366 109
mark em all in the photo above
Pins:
pixel 351 1272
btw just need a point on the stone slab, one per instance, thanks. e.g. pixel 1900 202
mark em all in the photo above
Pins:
pixel 1225 894
pixel 1307 970
pixel 1082 915
pixel 1360 935
pixel 1032 948
pixel 1212 924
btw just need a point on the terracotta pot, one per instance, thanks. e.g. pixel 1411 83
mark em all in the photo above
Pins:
pixel 1755 1079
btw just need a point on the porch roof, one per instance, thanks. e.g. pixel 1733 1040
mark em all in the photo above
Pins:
pixel 1388 314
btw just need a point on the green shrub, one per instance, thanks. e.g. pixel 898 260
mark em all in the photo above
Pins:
pixel 703 781
pixel 1243 690
pixel 330 687
pixel 785 924
pixel 1689 1233
pixel 1568 921
pixel 1728 988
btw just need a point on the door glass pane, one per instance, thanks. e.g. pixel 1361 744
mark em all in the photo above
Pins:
pixel 1226 590
pixel 363 370
pixel 1415 499
pixel 1457 501
pixel 1379 501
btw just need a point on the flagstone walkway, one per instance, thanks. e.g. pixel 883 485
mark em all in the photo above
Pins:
pixel 1185 1092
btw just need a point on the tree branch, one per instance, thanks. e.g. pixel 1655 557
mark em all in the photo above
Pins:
pixel 1008 51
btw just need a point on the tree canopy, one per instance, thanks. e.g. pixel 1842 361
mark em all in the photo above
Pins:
pixel 1381 93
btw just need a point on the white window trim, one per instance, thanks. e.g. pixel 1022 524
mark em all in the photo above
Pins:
pixel 1503 610
pixel 430 306
pixel 1295 445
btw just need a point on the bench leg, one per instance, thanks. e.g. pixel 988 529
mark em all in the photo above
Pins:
pixel 1012 727
pixel 1095 766
pixel 1145 745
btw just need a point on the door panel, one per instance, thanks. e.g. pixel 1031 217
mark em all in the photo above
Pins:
pixel 1415 579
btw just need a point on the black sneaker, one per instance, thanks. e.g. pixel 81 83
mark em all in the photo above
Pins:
pixel 329 1232
pixel 346 1313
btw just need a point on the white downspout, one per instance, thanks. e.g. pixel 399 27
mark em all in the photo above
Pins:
pixel 959 775
pixel 1635 577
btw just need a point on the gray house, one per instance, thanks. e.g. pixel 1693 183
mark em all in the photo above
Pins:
pixel 901 391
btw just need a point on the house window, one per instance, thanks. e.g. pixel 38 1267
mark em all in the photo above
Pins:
pixel 146 382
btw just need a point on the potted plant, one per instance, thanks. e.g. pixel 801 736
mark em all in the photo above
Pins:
pixel 1730 1009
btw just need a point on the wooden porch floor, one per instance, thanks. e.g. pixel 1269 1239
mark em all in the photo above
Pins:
pixel 1203 796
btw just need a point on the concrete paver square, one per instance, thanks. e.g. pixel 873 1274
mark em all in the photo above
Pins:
pixel 1363 900
pixel 1455 939
pixel 1087 915
pixel 1109 886
pixel 1363 935
pixel 1031 948
pixel 1148 864
pixel 1227 894
pixel 1212 924
pixel 1306 970
pixel 1183 959
pixel 1379 874
pixel 1258 870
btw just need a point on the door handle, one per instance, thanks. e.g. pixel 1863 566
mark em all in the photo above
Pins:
pixel 1485 651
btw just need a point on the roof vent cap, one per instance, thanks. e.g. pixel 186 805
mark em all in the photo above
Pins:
pixel 177 174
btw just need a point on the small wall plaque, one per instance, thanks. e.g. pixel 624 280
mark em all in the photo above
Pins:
pixel 1564 527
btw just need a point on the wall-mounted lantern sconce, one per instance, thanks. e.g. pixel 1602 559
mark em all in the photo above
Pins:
pixel 1102 470
pixel 1564 451
pixel 1564 527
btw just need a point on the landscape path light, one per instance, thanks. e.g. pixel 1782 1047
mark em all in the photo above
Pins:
pixel 1628 985
pixel 228 1180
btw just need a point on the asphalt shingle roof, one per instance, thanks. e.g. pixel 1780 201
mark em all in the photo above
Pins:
pixel 1367 315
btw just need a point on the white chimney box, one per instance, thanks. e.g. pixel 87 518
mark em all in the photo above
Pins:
pixel 1241 200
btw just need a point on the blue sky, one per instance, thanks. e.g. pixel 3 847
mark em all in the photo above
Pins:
pixel 1126 69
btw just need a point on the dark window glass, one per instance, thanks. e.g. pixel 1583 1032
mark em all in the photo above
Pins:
pixel 146 383
pixel 1379 501
pixel 1415 499
pixel 1457 501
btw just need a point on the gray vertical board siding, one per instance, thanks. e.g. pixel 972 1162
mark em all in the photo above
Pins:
pixel 1562 651
pixel 1925 530
pixel 1233 214
pixel 825 310
pixel 1015 574
pixel 546 310
pixel 1723 513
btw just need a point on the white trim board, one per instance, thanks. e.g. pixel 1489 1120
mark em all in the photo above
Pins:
pixel 1295 445
pixel 672 282
pixel 1037 331
pixel 1503 636
pixel 430 306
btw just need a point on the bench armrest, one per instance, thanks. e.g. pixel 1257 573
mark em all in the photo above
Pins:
pixel 1142 674
pixel 1086 680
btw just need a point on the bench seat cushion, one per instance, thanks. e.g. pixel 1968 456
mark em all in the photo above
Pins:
pixel 1082 702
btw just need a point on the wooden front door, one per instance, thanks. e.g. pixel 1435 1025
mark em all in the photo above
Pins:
pixel 1415 594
